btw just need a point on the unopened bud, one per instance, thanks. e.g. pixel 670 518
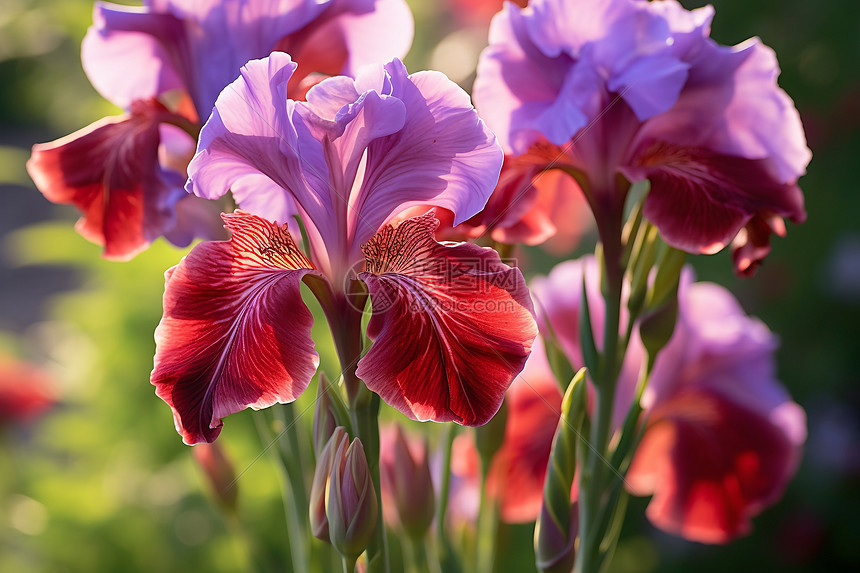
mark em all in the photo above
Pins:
pixel 318 518
pixel 407 482
pixel 219 473
pixel 351 505
pixel 554 542
pixel 324 418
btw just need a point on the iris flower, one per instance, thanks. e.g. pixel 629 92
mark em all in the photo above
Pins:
pixel 165 63
pixel 619 91
pixel 451 324
pixel 722 436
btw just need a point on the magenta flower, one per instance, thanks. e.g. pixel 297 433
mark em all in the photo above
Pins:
pixel 636 88
pixel 452 325
pixel 723 437
pixel 165 64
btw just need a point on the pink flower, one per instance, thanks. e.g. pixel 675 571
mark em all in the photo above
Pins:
pixel 165 63
pixel 723 437
pixel 638 89
pixel 452 325
pixel 25 391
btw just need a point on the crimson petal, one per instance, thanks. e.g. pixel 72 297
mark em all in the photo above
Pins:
pixel 701 199
pixel 110 171
pixel 452 324
pixel 712 464
pixel 235 332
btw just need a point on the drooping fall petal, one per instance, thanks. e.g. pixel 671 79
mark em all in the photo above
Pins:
pixel 700 199
pixel 110 172
pixel 235 332
pixel 452 325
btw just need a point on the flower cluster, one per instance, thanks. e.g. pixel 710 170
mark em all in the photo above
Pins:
pixel 615 375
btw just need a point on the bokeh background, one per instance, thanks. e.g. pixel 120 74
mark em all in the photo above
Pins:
pixel 101 482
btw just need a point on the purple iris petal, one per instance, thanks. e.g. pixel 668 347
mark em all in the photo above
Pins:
pixel 127 54
pixel 610 82
pixel 351 157
pixel 199 47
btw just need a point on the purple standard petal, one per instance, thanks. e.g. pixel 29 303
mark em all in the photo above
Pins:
pixel 351 157
pixel 249 144
pixel 733 105
pixel 126 53
pixel 517 82
pixel 443 155
pixel 222 36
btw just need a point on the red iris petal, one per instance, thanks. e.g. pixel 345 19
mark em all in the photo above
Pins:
pixel 711 465
pixel 109 170
pixel 235 332
pixel 452 324
pixel 700 199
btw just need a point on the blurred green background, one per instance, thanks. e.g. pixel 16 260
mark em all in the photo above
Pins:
pixel 103 483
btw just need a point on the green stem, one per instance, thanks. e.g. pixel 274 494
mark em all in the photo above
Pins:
pixel 449 433
pixel 348 565
pixel 295 525
pixel 365 419
pixel 447 558
pixel 488 517
pixel 417 555
pixel 596 457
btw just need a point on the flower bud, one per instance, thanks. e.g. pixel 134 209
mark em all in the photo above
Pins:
pixel 351 505
pixel 324 418
pixel 318 518
pixel 405 476
pixel 554 542
pixel 219 472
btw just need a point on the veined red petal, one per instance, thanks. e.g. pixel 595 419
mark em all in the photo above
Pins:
pixel 452 324
pixel 235 332
pixel 109 170
pixel 700 199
